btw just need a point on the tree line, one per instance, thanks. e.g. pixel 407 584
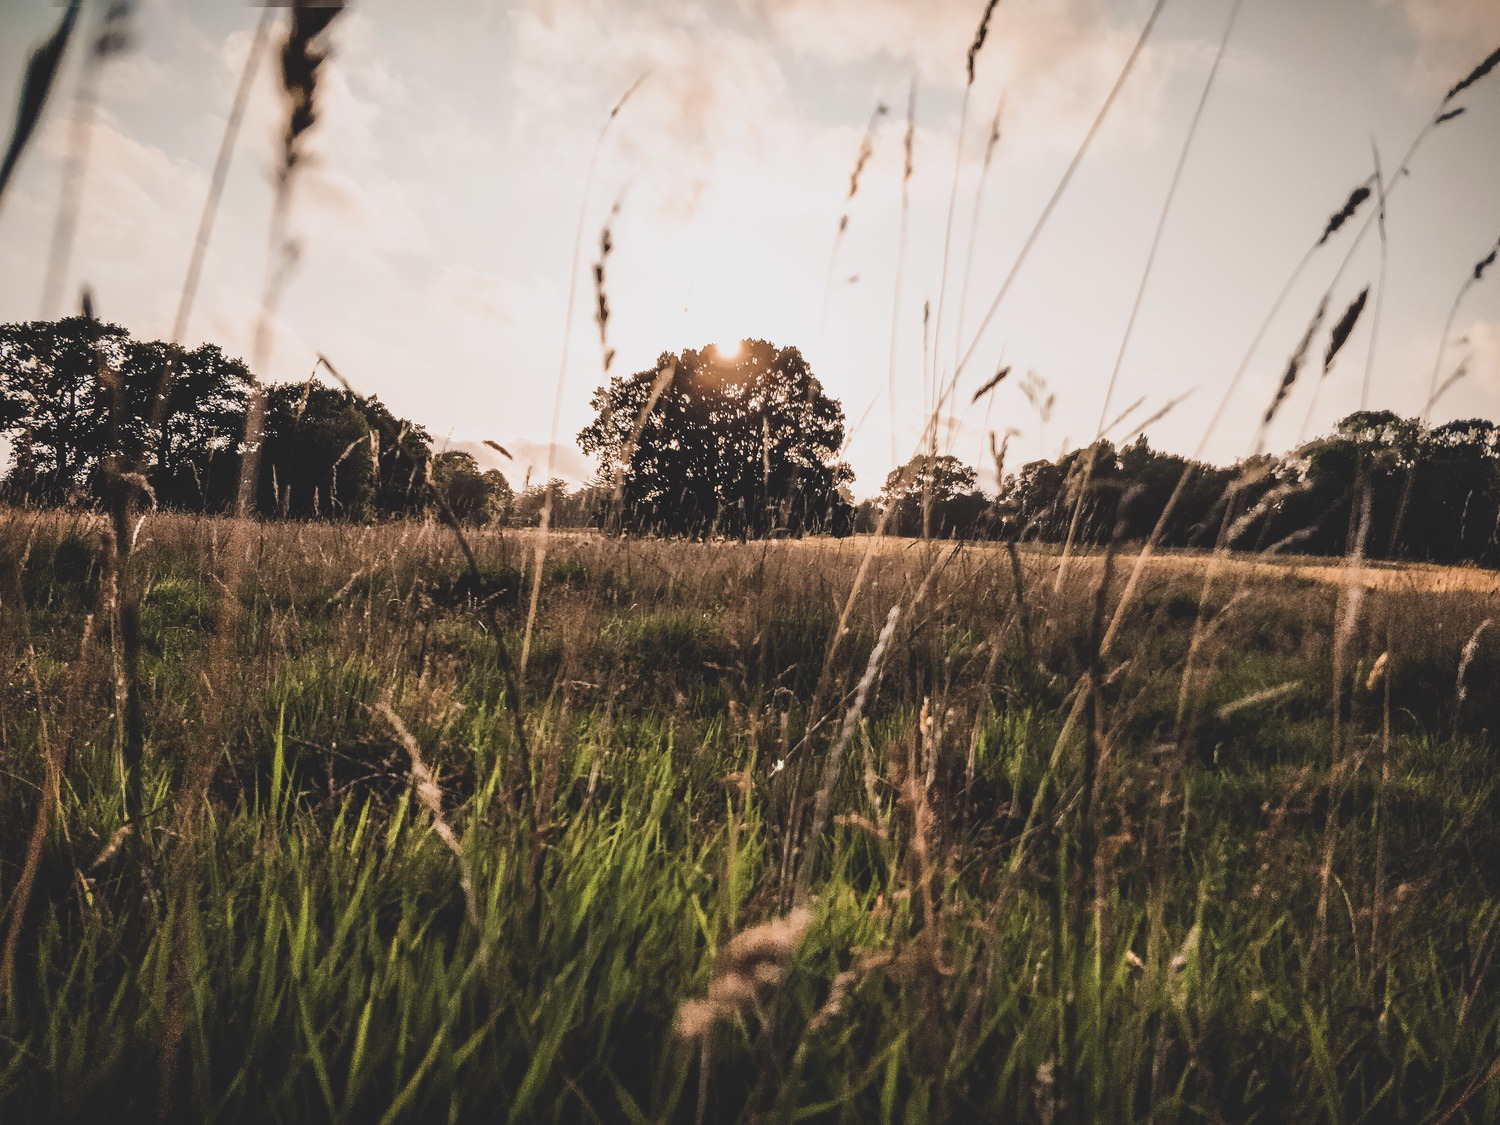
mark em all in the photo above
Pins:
pixel 745 443
pixel 78 395
pixel 1391 487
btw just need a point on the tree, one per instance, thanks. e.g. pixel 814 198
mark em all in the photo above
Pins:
pixel 1031 499
pixel 934 496
pixel 741 445
pixel 471 496
pixel 1451 495
pixel 329 452
pixel 583 507
pixel 50 402
pixel 1148 478
pixel 867 516
pixel 403 449
pixel 56 381
pixel 194 459
pixel 325 452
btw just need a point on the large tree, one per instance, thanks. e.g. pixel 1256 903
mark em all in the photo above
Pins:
pixel 193 459
pixel 706 443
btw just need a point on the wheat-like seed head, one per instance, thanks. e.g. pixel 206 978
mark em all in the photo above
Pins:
pixel 754 959
pixel 980 34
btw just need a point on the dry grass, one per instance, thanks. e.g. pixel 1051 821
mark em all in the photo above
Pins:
pixel 942 765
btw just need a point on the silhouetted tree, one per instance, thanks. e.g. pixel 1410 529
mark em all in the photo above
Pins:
pixel 54 405
pixel 867 514
pixel 472 496
pixel 329 452
pixel 404 449
pixel 582 507
pixel 193 461
pixel 741 445
pixel 936 496
pixel 1434 494
pixel 1453 511
pixel 1147 478
pixel 1031 500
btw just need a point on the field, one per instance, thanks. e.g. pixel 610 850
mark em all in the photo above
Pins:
pixel 382 792
pixel 974 855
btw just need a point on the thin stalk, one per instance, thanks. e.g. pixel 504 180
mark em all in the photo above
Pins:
pixel 1141 287
pixel 65 224
pixel 1475 275
pixel 545 520
pixel 984 175
pixel 51 798
pixel 911 119
pixel 1062 186
pixel 958 160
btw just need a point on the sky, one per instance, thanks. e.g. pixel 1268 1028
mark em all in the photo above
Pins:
pixel 447 218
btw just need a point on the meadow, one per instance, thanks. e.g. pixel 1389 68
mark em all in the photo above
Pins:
pixel 402 814
pixel 734 844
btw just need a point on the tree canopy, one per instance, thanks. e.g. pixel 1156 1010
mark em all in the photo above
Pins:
pixel 706 443
pixel 934 495
pixel 329 452
pixel 1434 494
pixel 55 399
pixel 326 452
pixel 472 495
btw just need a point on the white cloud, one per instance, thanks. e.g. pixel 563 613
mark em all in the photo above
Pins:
pixel 1053 59
pixel 1451 36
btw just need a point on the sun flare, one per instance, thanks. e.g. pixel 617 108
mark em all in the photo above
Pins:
pixel 730 349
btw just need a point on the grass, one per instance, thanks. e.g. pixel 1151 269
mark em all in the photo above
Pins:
pixel 391 824
pixel 960 959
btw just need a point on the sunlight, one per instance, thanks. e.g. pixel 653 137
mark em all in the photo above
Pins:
pixel 730 349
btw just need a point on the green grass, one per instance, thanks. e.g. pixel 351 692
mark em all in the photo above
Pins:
pixel 958 966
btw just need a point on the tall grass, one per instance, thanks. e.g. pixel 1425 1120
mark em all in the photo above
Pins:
pixel 1024 900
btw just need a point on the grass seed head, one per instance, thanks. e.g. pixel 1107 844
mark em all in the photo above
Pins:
pixel 1346 212
pixel 1294 365
pixel 302 56
pixel 1489 64
pixel 1344 327
pixel 754 960
pixel 1486 262
pixel 980 34
pixel 1470 650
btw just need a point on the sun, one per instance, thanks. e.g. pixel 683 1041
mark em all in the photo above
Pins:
pixel 730 349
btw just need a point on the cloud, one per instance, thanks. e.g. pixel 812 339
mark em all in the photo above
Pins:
pixel 1451 36
pixel 1052 58
pixel 484 295
pixel 344 197
pixel 708 93
pixel 138 207
pixel 1029 42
